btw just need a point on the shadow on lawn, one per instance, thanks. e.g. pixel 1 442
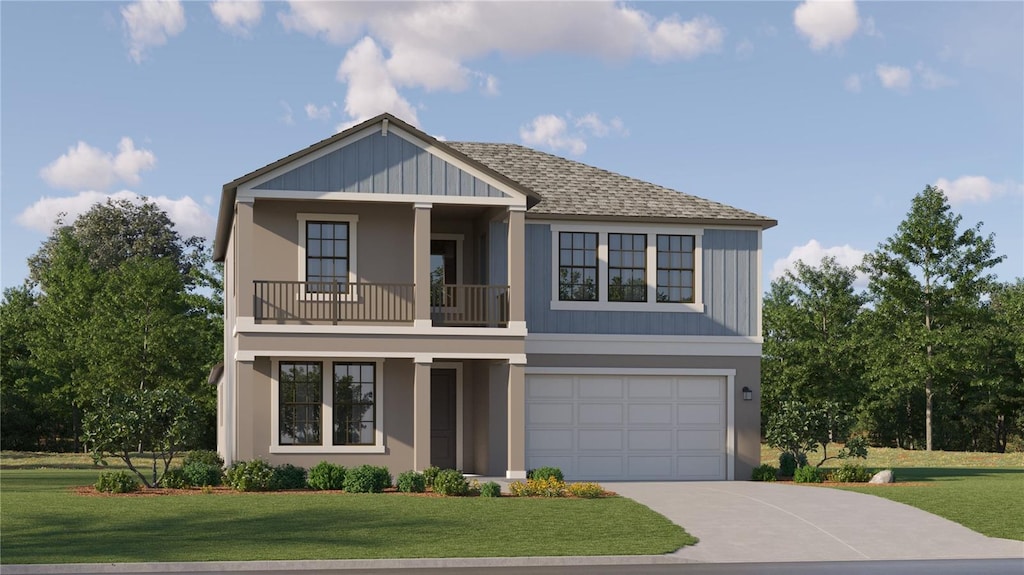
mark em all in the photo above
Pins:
pixel 925 474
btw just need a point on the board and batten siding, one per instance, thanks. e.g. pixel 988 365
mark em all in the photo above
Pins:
pixel 379 164
pixel 729 290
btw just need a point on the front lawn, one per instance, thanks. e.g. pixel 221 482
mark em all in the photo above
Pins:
pixel 44 521
pixel 981 491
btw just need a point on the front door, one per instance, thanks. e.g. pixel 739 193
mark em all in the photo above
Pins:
pixel 442 418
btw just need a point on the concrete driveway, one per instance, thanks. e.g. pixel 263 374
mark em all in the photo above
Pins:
pixel 742 521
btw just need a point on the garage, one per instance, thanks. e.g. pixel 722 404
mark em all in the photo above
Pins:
pixel 631 425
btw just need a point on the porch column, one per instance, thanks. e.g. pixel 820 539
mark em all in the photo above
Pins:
pixel 516 267
pixel 244 260
pixel 516 422
pixel 421 265
pixel 421 415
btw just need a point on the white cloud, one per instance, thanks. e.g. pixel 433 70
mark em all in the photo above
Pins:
pixel 237 16
pixel 826 22
pixel 931 79
pixel 288 117
pixel 852 83
pixel 189 218
pixel 428 45
pixel 314 112
pixel 551 132
pixel 744 49
pixel 813 252
pixel 894 77
pixel 151 23
pixel 84 166
pixel 870 29
pixel 975 189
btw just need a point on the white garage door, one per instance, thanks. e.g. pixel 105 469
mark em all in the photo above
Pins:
pixel 622 427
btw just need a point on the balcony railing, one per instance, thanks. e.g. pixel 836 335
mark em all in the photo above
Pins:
pixel 469 305
pixel 332 302
pixel 342 302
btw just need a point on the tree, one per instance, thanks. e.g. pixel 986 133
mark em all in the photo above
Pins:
pixel 798 428
pixel 811 350
pixel 925 285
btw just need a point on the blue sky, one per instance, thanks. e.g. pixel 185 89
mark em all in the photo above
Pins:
pixel 828 116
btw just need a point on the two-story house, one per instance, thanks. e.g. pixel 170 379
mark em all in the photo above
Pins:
pixel 398 300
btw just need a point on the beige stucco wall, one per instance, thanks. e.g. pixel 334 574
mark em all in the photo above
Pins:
pixel 283 343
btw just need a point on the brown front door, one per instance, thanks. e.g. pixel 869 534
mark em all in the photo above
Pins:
pixel 442 418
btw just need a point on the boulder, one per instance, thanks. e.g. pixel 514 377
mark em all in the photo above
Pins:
pixel 885 476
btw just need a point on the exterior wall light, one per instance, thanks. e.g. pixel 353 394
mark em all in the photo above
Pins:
pixel 747 393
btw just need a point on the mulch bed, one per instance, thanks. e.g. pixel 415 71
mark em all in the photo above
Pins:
pixel 90 491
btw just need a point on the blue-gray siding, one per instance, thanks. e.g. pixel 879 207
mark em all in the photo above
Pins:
pixel 729 293
pixel 379 164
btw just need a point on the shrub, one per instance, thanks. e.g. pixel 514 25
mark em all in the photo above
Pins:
pixel 765 472
pixel 490 489
pixel 255 475
pixel 411 482
pixel 367 479
pixel 117 482
pixel 175 479
pixel 202 474
pixel 788 463
pixel 288 476
pixel 203 456
pixel 545 473
pixel 808 474
pixel 451 482
pixel 851 473
pixel 430 473
pixel 585 490
pixel 326 476
pixel 550 487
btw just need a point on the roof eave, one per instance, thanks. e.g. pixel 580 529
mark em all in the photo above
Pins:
pixel 763 224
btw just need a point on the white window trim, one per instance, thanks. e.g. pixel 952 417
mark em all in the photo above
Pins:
pixel 327 415
pixel 353 222
pixel 651 231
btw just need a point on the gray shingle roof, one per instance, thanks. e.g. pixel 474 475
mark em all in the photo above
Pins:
pixel 570 188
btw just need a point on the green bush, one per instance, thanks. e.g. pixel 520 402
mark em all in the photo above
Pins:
pixel 765 472
pixel 788 463
pixel 117 482
pixel 851 473
pixel 411 482
pixel 430 473
pixel 451 482
pixel 203 456
pixel 490 489
pixel 326 476
pixel 545 473
pixel 808 474
pixel 201 474
pixel 585 490
pixel 175 479
pixel 367 479
pixel 288 476
pixel 255 475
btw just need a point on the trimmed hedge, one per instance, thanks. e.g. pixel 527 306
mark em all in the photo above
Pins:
pixel 367 479
pixel 326 476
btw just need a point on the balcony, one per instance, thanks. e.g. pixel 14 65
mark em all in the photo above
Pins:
pixel 374 303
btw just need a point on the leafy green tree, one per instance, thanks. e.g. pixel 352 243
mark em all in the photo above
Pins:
pixel 925 285
pixel 800 428
pixel 811 350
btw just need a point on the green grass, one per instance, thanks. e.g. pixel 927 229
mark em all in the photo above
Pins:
pixel 981 491
pixel 44 521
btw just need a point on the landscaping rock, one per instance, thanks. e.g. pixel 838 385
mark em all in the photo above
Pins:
pixel 884 476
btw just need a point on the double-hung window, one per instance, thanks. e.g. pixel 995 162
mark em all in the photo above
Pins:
pixel 577 266
pixel 627 267
pixel 675 268
pixel 327 406
pixel 327 252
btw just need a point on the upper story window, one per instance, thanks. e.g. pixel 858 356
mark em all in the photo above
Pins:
pixel 649 267
pixel 327 252
pixel 577 266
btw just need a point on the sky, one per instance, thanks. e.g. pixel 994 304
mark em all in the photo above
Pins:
pixel 826 116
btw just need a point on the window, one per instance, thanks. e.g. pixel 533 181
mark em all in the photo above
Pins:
pixel 627 267
pixel 675 268
pixel 300 403
pixel 649 267
pixel 334 405
pixel 445 260
pixel 327 253
pixel 354 392
pixel 577 266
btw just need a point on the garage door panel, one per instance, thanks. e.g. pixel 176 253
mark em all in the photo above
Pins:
pixel 650 466
pixel 601 388
pixel 652 388
pixel 709 439
pixel 563 462
pixel 701 466
pixel 600 414
pixel 549 439
pixel 699 414
pixel 599 466
pixel 590 439
pixel 549 413
pixel 650 414
pixel 650 439
pixel 699 388
pixel 551 388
